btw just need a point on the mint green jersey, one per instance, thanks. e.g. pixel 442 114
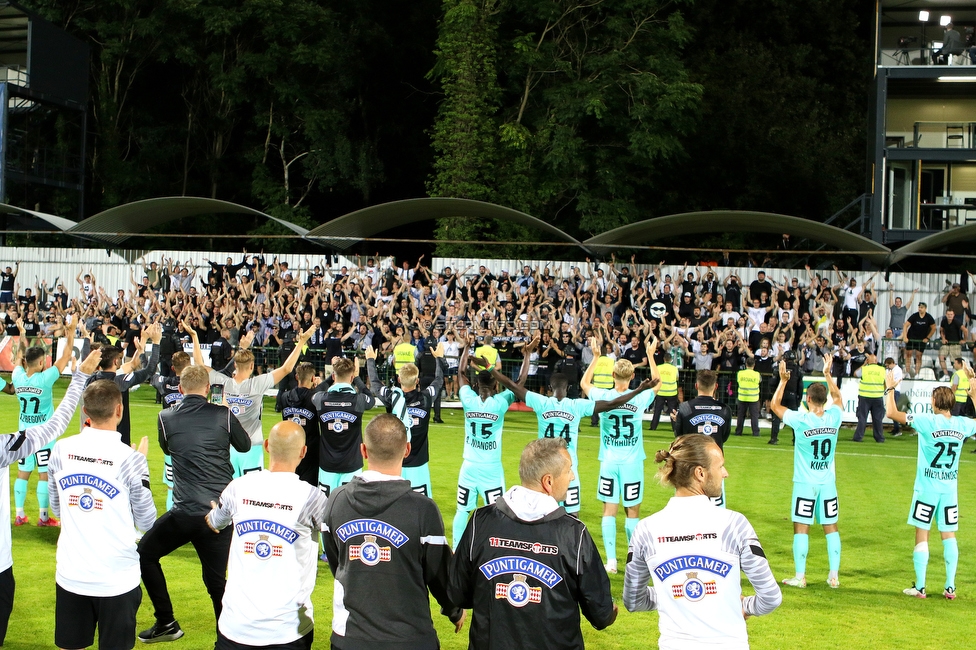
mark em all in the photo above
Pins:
pixel 816 442
pixel 622 430
pixel 939 444
pixel 483 422
pixel 559 418
pixel 35 394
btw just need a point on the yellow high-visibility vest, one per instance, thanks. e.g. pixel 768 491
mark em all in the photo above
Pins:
pixel 748 385
pixel 669 380
pixel 403 354
pixel 603 373
pixel 962 388
pixel 872 381
pixel 487 353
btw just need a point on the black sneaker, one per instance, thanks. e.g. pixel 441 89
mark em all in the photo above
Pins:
pixel 773 442
pixel 159 633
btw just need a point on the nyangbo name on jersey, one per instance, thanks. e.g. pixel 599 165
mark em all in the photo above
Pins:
pixel 99 484
pixel 666 569
pixel 515 564
pixel 532 547
pixel 265 526
pixel 371 527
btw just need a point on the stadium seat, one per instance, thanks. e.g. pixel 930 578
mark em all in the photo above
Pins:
pixel 927 374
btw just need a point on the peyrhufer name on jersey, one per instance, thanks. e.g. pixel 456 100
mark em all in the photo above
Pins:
pixel 371 527
pixel 519 545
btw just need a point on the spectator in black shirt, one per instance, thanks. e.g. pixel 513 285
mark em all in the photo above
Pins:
pixel 916 336
pixel 760 286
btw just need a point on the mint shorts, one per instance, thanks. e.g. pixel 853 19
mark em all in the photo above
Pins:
pixel 419 478
pixel 815 504
pixel 329 481
pixel 621 482
pixel 929 505
pixel 37 460
pixel 484 479
pixel 248 461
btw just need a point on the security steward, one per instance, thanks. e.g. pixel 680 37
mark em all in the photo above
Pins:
pixel 602 377
pixel 870 399
pixel 404 352
pixel 960 385
pixel 748 397
pixel 791 394
pixel 667 396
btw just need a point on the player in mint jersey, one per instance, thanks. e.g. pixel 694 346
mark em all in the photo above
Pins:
pixel 814 481
pixel 34 387
pixel 621 450
pixel 940 438
pixel 484 416
pixel 559 416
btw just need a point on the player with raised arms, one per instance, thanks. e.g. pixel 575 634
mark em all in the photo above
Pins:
pixel 621 450
pixel 34 387
pixel 814 480
pixel 484 416
pixel 559 416
pixel 940 438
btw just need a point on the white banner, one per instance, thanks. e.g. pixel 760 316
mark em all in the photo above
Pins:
pixel 82 346
pixel 918 391
pixel 204 349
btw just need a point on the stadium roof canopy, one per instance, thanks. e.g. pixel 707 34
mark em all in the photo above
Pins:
pixel 347 230
pixel 719 221
pixel 111 226
pixel 935 242
pixel 31 220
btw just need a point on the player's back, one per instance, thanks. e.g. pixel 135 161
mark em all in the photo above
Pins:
pixel 36 395
pixel 621 429
pixel 940 441
pixel 559 418
pixel 484 419
pixel 816 444
pixel 246 400
pixel 704 415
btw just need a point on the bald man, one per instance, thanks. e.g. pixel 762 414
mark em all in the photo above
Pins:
pixel 386 547
pixel 272 565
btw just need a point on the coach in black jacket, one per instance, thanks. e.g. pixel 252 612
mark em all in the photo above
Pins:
pixel 386 548
pixel 198 436
pixel 526 567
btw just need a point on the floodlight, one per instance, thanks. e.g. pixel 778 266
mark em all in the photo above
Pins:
pixel 945 20
pixel 923 16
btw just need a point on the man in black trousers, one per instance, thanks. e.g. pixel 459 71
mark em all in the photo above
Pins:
pixel 198 436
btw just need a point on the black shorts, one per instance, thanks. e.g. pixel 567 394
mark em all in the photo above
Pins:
pixel 76 616
pixel 304 643
pixel 917 346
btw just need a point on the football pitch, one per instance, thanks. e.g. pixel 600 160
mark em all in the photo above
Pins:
pixel 868 611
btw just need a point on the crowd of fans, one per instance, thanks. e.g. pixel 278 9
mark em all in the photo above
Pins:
pixel 700 318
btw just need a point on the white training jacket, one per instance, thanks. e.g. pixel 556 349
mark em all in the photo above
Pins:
pixel 694 553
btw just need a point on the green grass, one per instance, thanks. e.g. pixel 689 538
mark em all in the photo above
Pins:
pixel 868 611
